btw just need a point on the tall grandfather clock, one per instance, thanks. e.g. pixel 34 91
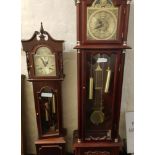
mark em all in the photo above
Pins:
pixel 102 27
pixel 45 71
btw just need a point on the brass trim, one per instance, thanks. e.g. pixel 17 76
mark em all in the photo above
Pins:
pixel 78 51
pixel 97 138
pixel 78 1
pixel 84 87
pixel 79 140
pixel 116 140
pixel 96 153
pixel 107 84
pixel 124 43
pixel 78 43
pixel 129 2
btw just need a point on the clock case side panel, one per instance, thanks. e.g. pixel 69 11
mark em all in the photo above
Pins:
pixel 56 86
pixel 119 95
pixel 82 93
pixel 30 46
pixel 123 19
pixel 79 85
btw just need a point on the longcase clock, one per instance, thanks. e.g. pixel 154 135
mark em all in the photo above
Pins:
pixel 102 27
pixel 45 71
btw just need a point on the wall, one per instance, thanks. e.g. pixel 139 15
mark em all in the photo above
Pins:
pixel 128 82
pixel 59 19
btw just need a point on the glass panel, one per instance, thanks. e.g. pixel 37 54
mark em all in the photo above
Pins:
pixel 102 19
pixel 48 111
pixel 44 62
pixel 100 81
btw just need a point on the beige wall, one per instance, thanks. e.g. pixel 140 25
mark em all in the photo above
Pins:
pixel 59 19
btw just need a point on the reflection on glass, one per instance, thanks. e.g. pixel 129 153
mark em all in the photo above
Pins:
pixel 48 111
pixel 99 88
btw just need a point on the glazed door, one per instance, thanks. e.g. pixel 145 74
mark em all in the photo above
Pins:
pixel 99 79
pixel 48 108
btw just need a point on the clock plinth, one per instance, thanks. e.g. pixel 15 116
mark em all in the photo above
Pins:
pixel 96 148
pixel 50 146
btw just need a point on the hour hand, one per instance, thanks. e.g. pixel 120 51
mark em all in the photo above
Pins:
pixel 52 68
pixel 98 25
pixel 42 59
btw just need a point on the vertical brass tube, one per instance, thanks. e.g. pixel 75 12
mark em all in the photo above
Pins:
pixel 46 111
pixel 107 84
pixel 91 88
pixel 53 104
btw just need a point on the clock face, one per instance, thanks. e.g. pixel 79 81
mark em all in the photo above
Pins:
pixel 102 24
pixel 44 62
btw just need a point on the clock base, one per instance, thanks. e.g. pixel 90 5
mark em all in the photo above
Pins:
pixel 55 146
pixel 96 148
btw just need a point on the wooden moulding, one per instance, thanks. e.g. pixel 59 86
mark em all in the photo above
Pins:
pixel 58 140
pixel 102 47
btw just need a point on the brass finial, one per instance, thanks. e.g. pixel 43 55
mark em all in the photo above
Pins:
pixel 41 28
pixel 42 32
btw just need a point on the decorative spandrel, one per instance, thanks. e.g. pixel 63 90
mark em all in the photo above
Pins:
pixel 48 111
pixel 44 62
pixel 102 18
pixel 99 93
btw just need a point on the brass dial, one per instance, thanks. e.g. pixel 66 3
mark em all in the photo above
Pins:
pixel 44 62
pixel 97 117
pixel 102 24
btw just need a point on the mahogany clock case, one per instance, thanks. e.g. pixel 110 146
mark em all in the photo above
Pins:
pixel 102 27
pixel 45 71
pixel 121 21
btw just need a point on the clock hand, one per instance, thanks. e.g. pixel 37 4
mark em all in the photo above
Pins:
pixel 46 61
pixel 99 25
pixel 42 59
pixel 52 67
